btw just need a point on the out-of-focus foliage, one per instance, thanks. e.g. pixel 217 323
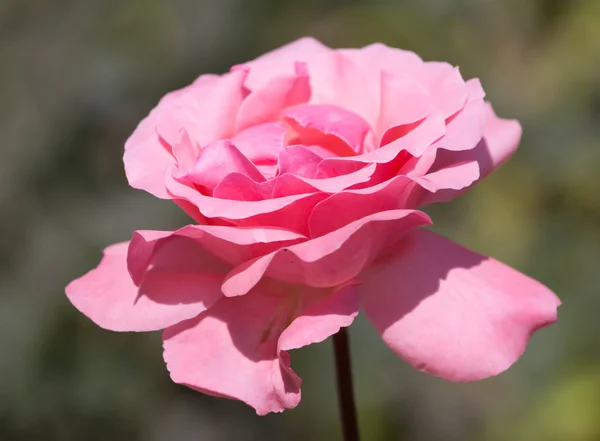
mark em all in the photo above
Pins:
pixel 75 78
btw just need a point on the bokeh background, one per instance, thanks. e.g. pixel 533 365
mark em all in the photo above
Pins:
pixel 77 75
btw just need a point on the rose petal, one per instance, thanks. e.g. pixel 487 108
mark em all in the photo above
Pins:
pixel 446 85
pixel 289 212
pixel 237 349
pixel 266 103
pixel 451 312
pixel 233 245
pixel 326 126
pixel 282 61
pixel 334 80
pixel 500 140
pixel 216 161
pixel 261 143
pixel 329 260
pixel 206 110
pixel 403 101
pixel 167 295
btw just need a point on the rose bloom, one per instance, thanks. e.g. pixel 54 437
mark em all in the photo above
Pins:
pixel 304 171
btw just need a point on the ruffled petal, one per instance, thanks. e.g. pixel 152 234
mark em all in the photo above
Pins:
pixel 451 312
pixel 500 140
pixel 232 245
pixel 340 131
pixel 237 348
pixel 165 295
pixel 329 260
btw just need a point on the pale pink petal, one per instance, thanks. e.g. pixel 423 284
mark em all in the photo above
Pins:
pixel 341 131
pixel 321 319
pixel 216 161
pixel 206 110
pixel 237 348
pixel 329 260
pixel 338 81
pixel 261 143
pixel 185 152
pixel 465 129
pixel 266 103
pixel 166 295
pixel 451 312
pixel 145 164
pixel 282 61
pixel 378 57
pixel 403 101
pixel 500 140
pixel 447 87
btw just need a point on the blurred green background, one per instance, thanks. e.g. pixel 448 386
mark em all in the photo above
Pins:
pixel 77 76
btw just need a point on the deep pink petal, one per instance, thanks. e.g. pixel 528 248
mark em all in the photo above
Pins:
pixel 329 260
pixel 216 161
pixel 341 131
pixel 415 139
pixel 289 212
pixel 237 348
pixel 451 312
pixel 299 160
pixel 239 187
pixel 166 295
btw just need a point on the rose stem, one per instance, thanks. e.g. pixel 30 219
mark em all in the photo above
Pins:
pixel 344 386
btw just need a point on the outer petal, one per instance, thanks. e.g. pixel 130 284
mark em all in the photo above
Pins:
pixel 500 140
pixel 282 61
pixel 233 245
pixel 166 295
pixel 236 349
pixel 206 110
pixel 330 260
pixel 451 312
pixel 266 103
pixel 337 80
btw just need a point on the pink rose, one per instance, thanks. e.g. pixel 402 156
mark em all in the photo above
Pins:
pixel 304 171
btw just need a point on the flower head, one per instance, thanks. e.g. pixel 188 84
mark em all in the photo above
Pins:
pixel 304 171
